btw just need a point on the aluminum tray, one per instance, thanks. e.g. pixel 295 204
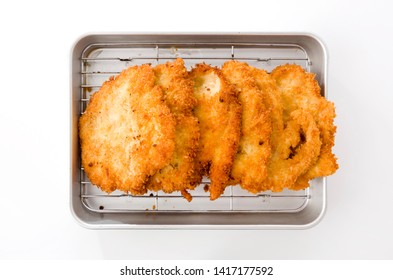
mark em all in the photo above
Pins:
pixel 96 57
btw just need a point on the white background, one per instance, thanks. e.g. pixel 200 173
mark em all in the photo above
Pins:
pixel 35 43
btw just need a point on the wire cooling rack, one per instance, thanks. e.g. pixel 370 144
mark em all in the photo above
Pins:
pixel 101 61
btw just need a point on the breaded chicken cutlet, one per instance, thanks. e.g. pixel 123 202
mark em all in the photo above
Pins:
pixel 294 141
pixel 250 164
pixel 178 88
pixel 300 90
pixel 127 132
pixel 219 114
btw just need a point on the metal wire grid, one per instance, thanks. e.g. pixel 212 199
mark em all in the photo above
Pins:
pixel 98 201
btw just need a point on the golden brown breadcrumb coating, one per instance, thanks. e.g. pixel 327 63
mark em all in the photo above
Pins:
pixel 219 114
pixel 295 142
pixel 250 165
pixel 178 88
pixel 297 150
pixel 127 132
pixel 300 90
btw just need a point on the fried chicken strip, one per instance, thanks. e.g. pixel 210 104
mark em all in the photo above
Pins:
pixel 127 132
pixel 219 114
